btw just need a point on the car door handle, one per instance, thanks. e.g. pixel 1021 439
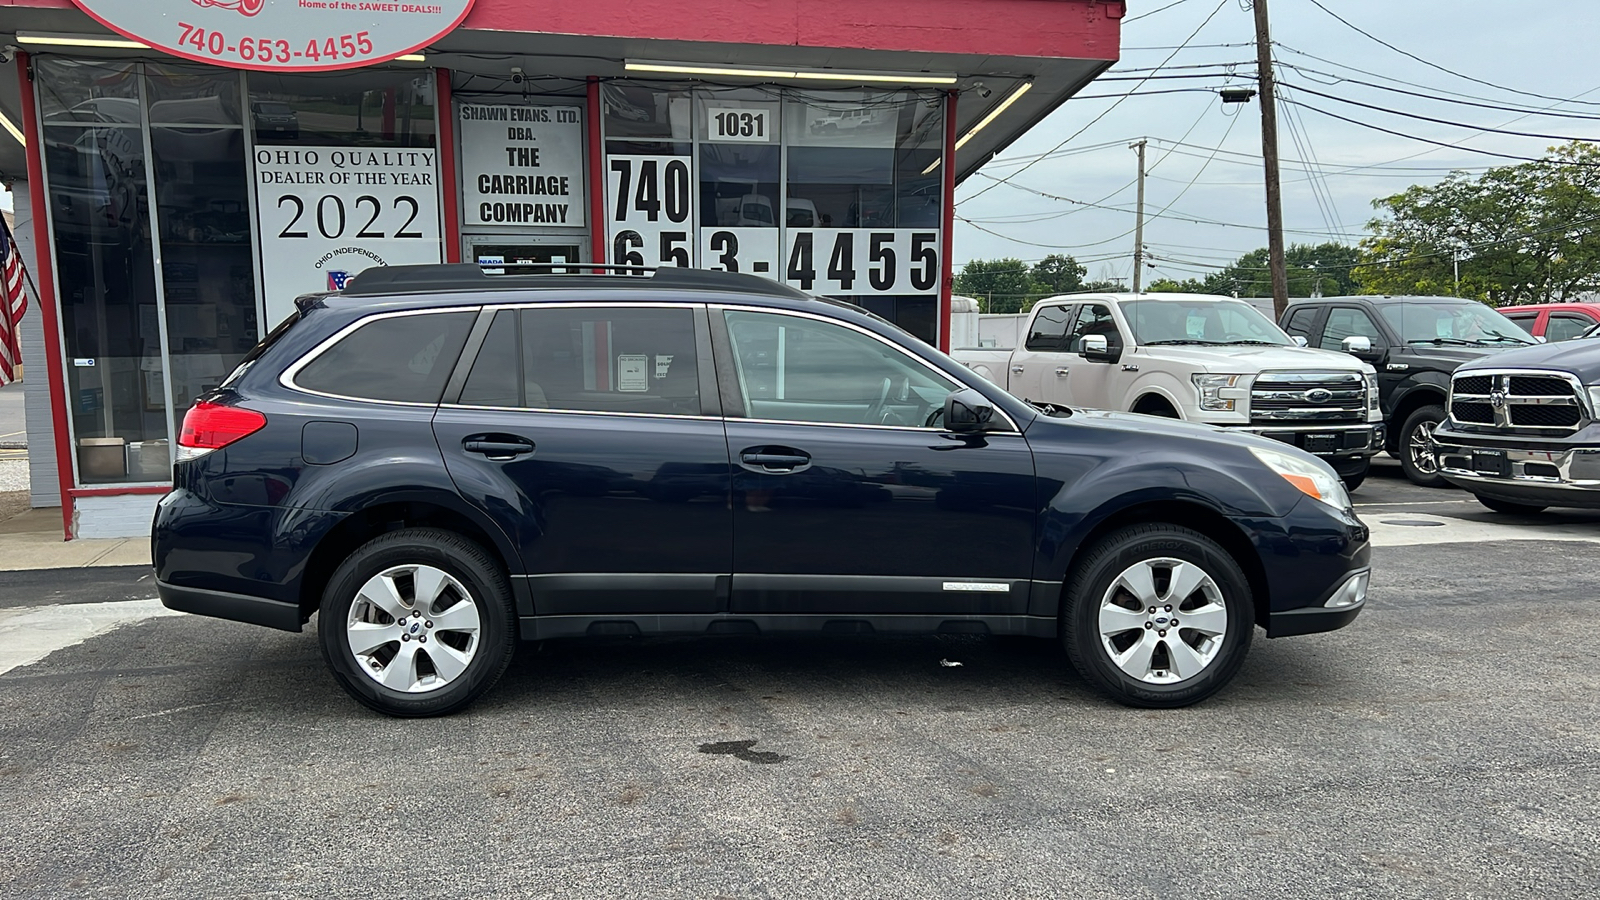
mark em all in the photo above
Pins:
pixel 1016 370
pixel 497 446
pixel 1061 372
pixel 774 459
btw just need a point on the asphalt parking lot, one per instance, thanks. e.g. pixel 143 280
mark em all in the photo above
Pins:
pixel 1442 746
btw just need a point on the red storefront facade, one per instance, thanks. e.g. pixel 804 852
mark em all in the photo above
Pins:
pixel 171 209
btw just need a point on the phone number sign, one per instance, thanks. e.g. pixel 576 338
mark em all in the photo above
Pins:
pixel 282 35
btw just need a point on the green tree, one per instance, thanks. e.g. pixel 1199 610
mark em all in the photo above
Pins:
pixel 1312 269
pixel 1173 286
pixel 1058 274
pixel 1001 285
pixel 1524 234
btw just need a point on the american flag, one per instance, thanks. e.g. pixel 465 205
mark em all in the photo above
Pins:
pixel 13 303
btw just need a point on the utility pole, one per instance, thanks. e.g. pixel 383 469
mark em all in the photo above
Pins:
pixel 1138 223
pixel 1269 156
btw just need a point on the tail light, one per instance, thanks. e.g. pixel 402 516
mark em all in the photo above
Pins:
pixel 211 426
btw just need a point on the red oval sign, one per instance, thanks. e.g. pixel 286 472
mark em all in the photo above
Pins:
pixel 282 35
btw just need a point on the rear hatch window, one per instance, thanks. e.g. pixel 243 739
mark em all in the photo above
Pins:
pixel 402 358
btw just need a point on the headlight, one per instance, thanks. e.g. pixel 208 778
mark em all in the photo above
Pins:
pixel 1310 475
pixel 1218 392
pixel 1372 395
pixel 1594 398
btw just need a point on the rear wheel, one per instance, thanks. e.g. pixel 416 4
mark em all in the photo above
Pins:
pixel 1158 616
pixel 417 622
pixel 1506 506
pixel 1417 459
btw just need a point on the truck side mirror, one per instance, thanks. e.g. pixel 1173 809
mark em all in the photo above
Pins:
pixel 1098 348
pixel 1360 346
pixel 1300 341
pixel 968 412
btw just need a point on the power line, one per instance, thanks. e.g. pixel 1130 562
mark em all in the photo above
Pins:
pixel 1152 12
pixel 1430 141
pixel 1373 37
pixel 1307 71
pixel 1107 111
pixel 1479 128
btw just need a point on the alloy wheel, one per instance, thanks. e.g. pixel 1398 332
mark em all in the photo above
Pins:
pixel 413 629
pixel 1420 446
pixel 1162 621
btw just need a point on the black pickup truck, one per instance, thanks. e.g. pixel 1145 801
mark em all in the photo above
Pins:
pixel 1415 343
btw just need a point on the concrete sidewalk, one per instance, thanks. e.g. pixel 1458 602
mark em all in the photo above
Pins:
pixel 32 540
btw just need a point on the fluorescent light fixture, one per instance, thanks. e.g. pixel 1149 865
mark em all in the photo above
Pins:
pixel 791 74
pixel 74 40
pixel 11 126
pixel 1011 98
pixel 412 57
pixel 1005 104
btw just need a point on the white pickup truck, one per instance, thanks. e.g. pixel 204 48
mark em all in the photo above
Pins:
pixel 1205 359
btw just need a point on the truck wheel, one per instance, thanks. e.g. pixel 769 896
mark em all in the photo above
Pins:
pixel 1417 459
pixel 1157 616
pixel 1506 506
pixel 417 622
pixel 1351 482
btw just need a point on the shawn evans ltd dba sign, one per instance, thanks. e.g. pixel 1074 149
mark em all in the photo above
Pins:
pixel 281 35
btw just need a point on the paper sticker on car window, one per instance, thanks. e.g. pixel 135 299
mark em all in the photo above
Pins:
pixel 632 374
pixel 663 364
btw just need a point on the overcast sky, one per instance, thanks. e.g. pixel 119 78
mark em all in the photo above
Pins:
pixel 1547 48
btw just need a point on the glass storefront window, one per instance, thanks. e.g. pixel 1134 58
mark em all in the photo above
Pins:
pixel 73 90
pixel 110 321
pixel 363 107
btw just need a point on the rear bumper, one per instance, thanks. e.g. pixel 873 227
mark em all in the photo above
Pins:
pixel 236 607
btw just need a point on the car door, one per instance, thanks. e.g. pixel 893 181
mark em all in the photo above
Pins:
pixel 848 498
pixel 1037 369
pixel 1091 383
pixel 1564 326
pixel 1528 320
pixel 591 433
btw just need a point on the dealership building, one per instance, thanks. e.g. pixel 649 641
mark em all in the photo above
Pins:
pixel 181 170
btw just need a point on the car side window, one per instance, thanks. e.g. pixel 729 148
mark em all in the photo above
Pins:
pixel 1049 326
pixel 798 369
pixel 1524 320
pixel 1347 321
pixel 588 359
pixel 403 359
pixel 1300 322
pixel 1093 318
pixel 1564 326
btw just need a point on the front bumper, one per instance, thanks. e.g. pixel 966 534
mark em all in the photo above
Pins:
pixel 1338 609
pixel 1342 446
pixel 1549 475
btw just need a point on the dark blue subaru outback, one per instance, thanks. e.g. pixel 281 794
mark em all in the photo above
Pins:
pixel 440 463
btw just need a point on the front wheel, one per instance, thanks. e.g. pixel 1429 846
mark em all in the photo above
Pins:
pixel 1158 616
pixel 1506 506
pixel 1417 458
pixel 1353 481
pixel 417 622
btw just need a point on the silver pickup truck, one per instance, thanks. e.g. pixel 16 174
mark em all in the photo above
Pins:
pixel 1213 360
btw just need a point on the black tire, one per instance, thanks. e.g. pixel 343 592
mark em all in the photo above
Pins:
pixel 1506 506
pixel 492 646
pixel 1351 482
pixel 1420 467
pixel 1101 567
pixel 1156 407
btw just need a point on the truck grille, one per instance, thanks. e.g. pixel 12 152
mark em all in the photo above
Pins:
pixel 1505 401
pixel 1277 398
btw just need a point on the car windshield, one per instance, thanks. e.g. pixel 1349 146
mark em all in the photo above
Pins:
pixel 1453 322
pixel 1200 321
pixel 274 109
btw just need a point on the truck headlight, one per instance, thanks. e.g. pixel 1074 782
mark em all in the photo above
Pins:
pixel 1310 475
pixel 1594 398
pixel 1218 392
pixel 1372 397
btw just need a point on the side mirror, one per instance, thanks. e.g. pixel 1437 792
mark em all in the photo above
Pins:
pixel 1357 343
pixel 1300 341
pixel 1098 348
pixel 967 412
pixel 1542 339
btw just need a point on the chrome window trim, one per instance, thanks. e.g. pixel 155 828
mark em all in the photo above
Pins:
pixel 578 412
pixel 725 307
pixel 287 377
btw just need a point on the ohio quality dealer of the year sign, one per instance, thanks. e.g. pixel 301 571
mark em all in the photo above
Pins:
pixel 281 35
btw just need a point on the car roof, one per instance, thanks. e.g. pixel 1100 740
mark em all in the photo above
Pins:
pixel 1380 299
pixel 1124 297
pixel 1553 307
pixel 458 278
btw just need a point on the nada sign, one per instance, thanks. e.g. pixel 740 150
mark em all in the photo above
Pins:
pixel 281 35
